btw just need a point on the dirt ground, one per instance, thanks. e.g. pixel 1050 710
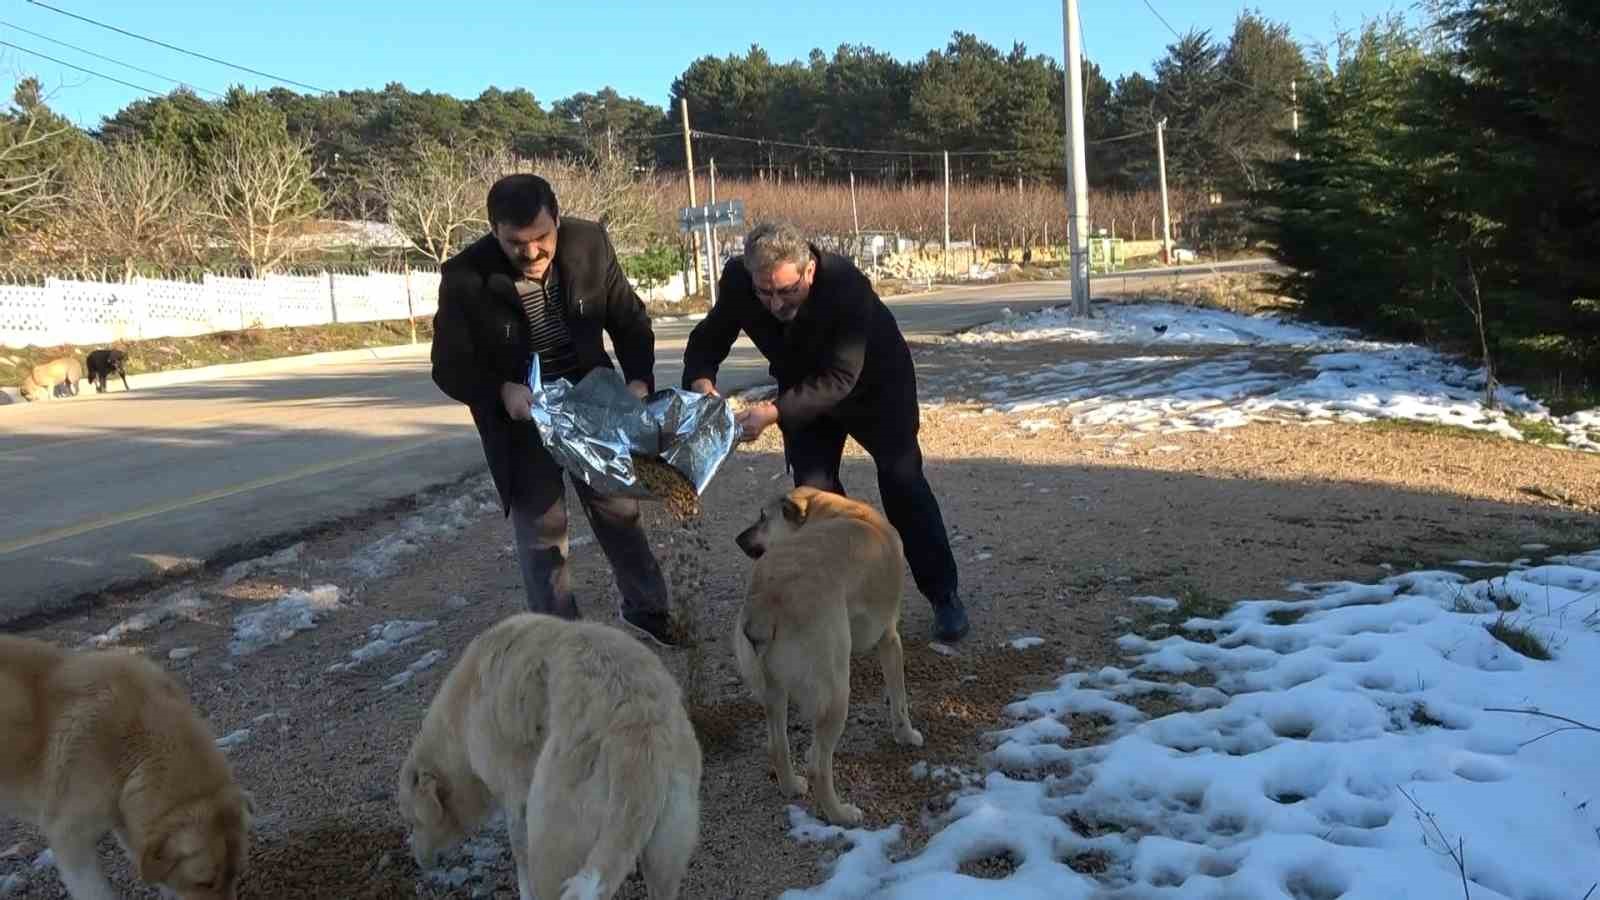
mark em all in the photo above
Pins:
pixel 1054 532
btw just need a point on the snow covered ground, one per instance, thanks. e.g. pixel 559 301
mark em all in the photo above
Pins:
pixel 1339 742
pixel 1193 369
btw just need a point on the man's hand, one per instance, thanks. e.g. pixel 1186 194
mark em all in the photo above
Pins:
pixel 704 386
pixel 756 419
pixel 639 389
pixel 518 401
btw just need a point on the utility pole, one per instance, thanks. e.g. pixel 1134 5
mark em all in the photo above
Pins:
pixel 855 220
pixel 1077 176
pixel 946 264
pixel 1161 160
pixel 1294 116
pixel 712 248
pixel 688 162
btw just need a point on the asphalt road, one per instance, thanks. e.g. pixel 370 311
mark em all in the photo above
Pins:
pixel 102 491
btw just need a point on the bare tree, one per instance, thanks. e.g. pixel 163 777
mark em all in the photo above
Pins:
pixel 262 193
pixel 1474 307
pixel 436 196
pixel 137 202
pixel 28 181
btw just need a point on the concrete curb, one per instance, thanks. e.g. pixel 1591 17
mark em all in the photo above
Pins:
pixel 238 370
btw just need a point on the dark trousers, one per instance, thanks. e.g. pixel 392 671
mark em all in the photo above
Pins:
pixel 890 438
pixel 539 520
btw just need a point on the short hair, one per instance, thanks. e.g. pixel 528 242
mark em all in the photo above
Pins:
pixel 771 244
pixel 517 200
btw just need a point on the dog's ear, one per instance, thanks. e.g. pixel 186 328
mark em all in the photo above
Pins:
pixel 429 799
pixel 163 852
pixel 794 509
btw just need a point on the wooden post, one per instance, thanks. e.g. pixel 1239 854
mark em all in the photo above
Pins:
pixel 688 162
pixel 855 219
pixel 945 265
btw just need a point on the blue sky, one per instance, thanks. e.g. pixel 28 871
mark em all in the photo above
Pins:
pixel 638 48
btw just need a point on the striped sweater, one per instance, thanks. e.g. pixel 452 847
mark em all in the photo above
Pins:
pixel 547 326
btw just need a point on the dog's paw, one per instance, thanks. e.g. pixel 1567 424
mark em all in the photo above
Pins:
pixel 908 736
pixel 583 886
pixel 797 787
pixel 847 814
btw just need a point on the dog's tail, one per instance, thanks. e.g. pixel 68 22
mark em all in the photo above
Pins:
pixel 752 635
pixel 636 761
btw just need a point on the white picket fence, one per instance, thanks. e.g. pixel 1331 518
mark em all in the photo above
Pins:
pixel 82 312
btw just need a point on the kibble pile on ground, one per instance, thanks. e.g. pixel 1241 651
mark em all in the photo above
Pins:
pixel 1053 532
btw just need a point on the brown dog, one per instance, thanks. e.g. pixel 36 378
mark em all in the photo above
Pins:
pixel 827 584
pixel 41 382
pixel 107 741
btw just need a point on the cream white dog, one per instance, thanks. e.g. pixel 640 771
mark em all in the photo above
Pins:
pixel 106 741
pixel 578 733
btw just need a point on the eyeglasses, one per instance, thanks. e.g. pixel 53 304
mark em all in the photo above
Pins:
pixel 783 293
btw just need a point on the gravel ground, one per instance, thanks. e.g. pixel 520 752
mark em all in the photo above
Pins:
pixel 1054 531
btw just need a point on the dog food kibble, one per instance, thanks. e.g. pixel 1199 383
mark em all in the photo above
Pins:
pixel 686 574
pixel 668 484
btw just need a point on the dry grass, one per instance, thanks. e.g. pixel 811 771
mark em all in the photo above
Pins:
pixel 1518 637
pixel 1004 217
pixel 163 354
pixel 1246 293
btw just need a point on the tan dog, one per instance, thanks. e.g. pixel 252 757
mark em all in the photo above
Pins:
pixel 40 384
pixel 578 733
pixel 107 741
pixel 827 582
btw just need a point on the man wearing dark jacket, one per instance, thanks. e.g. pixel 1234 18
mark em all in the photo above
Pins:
pixel 540 283
pixel 843 369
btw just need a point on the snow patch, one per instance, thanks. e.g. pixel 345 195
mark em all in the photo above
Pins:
pixel 241 570
pixel 184 603
pixel 1318 765
pixel 434 522
pixel 383 639
pixel 229 741
pixel 1252 368
pixel 281 620
pixel 405 676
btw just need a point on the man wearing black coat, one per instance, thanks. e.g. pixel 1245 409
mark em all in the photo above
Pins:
pixel 843 369
pixel 540 283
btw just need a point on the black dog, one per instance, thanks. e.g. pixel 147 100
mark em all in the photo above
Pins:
pixel 103 363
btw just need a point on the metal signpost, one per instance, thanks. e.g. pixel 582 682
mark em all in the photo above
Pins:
pixel 729 213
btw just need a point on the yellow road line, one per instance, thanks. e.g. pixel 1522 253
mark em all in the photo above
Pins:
pixel 208 496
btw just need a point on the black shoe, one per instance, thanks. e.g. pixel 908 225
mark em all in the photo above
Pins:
pixel 950 620
pixel 658 626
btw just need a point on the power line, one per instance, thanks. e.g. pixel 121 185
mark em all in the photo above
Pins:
pixel 937 153
pixel 1147 4
pixel 1275 92
pixel 636 139
pixel 63 62
pixel 813 147
pixel 1122 137
pixel 180 49
pixel 108 59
